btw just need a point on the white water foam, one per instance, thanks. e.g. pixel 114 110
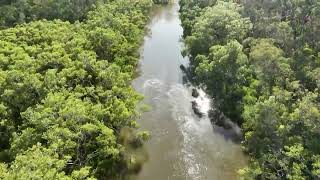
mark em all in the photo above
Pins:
pixel 203 102
pixel 154 83
pixel 190 126
pixel 198 150
pixel 153 88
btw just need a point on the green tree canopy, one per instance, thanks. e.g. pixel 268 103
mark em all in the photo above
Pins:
pixel 66 95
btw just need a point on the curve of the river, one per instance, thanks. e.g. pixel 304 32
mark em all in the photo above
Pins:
pixel 182 146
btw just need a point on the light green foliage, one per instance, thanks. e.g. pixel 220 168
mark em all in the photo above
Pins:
pixel 316 165
pixel 120 28
pixel 68 87
pixel 190 10
pixel 41 163
pixel 36 163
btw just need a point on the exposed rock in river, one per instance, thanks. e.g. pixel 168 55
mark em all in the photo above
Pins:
pixel 196 109
pixel 218 118
pixel 185 79
pixel 187 72
pixel 195 93
pixel 229 129
pixel 183 68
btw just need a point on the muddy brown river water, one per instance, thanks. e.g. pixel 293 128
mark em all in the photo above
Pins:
pixel 182 146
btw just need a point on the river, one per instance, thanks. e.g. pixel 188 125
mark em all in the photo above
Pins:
pixel 182 146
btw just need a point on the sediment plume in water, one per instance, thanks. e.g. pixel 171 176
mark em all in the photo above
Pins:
pixel 182 145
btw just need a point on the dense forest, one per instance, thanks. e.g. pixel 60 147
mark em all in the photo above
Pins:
pixel 67 108
pixel 260 60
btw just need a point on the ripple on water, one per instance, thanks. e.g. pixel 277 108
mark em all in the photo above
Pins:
pixel 201 153
pixel 191 128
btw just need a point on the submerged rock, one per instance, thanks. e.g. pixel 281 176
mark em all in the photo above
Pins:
pixel 219 119
pixel 195 93
pixel 186 72
pixel 196 110
pixel 185 79
pixel 224 123
pixel 183 68
pixel 225 126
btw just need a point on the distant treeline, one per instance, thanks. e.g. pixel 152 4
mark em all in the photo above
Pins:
pixel 67 108
pixel 260 60
pixel 21 11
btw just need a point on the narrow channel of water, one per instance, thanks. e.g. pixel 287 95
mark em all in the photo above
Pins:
pixel 182 146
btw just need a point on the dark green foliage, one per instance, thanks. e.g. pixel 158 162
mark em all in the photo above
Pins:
pixel 20 11
pixel 223 70
pixel 260 60
pixel 215 50
pixel 161 1
pixel 66 95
